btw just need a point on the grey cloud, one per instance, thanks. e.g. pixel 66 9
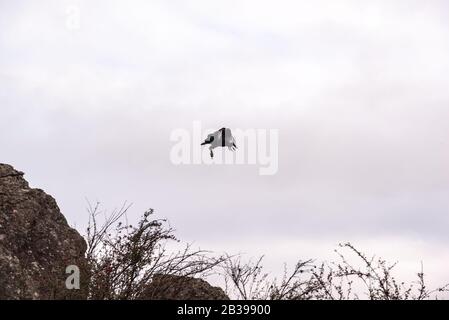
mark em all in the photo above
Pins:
pixel 361 107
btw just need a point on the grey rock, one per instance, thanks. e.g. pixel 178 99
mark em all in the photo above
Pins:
pixel 171 287
pixel 36 243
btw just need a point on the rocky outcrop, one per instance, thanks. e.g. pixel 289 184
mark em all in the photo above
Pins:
pixel 170 287
pixel 36 243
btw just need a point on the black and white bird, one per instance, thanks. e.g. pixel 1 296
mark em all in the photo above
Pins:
pixel 220 138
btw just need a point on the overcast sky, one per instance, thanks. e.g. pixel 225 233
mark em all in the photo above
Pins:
pixel 359 91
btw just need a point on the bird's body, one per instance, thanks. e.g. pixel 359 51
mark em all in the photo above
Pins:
pixel 220 138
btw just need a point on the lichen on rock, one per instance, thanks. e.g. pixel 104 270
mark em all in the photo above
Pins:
pixel 36 243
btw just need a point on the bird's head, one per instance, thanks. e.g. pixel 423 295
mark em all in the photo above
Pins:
pixel 209 139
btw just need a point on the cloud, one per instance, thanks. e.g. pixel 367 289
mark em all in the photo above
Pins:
pixel 357 90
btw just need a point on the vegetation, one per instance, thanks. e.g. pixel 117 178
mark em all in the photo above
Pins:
pixel 124 259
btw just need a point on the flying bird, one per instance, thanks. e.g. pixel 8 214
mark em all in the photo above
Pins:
pixel 220 138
